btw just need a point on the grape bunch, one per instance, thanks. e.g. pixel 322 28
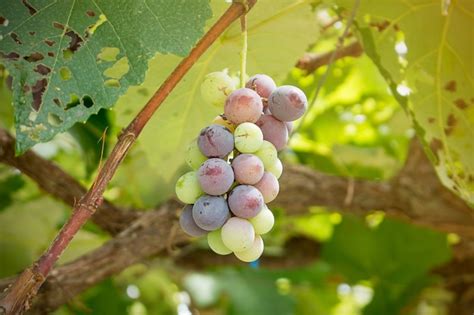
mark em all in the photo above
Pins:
pixel 235 163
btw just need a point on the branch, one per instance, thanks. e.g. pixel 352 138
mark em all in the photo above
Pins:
pixel 26 286
pixel 312 61
pixel 56 182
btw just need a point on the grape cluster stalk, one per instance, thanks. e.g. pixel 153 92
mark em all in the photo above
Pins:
pixel 235 164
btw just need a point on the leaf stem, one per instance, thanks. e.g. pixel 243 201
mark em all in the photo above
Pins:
pixel 18 297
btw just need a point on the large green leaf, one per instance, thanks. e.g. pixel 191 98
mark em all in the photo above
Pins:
pixel 396 257
pixel 438 68
pixel 279 32
pixel 70 58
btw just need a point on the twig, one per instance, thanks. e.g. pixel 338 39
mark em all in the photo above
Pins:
pixel 18 297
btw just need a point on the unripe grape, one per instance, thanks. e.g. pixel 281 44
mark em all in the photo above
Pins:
pixel 187 223
pixel 243 105
pixel 223 121
pixel 254 252
pixel 273 130
pixel 216 141
pixel 245 201
pixel 238 234
pixel 248 169
pixel 263 222
pixel 248 138
pixel 267 153
pixel 268 186
pixel 193 156
pixel 215 176
pixel 214 240
pixel 216 87
pixel 262 84
pixel 188 189
pixel 210 212
pixel 275 168
pixel 287 103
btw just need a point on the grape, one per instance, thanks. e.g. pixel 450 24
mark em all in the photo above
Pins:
pixel 248 138
pixel 245 201
pixel 262 84
pixel 223 121
pixel 216 87
pixel 243 105
pixel 267 153
pixel 193 155
pixel 214 239
pixel 273 130
pixel 215 141
pixel 238 234
pixel 215 176
pixel 287 103
pixel 188 189
pixel 248 169
pixel 289 126
pixel 210 212
pixel 254 252
pixel 187 223
pixel 263 222
pixel 268 186
pixel 276 168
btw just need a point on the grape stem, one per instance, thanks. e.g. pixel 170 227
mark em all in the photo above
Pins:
pixel 339 44
pixel 243 53
pixel 18 298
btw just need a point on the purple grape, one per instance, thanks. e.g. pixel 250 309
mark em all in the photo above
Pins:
pixel 187 223
pixel 274 131
pixel 268 186
pixel 215 141
pixel 248 169
pixel 210 212
pixel 215 176
pixel 243 105
pixel 245 201
pixel 287 103
pixel 262 84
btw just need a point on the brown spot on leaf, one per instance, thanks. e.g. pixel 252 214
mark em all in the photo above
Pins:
pixel 450 86
pixel 451 123
pixel 461 104
pixel 42 69
pixel 32 33
pixel 26 88
pixel 431 120
pixel 30 8
pixel 11 56
pixel 49 42
pixel 37 91
pixel 57 102
pixel 2 20
pixel 15 37
pixel 380 26
pixel 90 13
pixel 436 145
pixel 396 27
pixel 58 25
pixel 75 41
pixel 51 54
pixel 34 57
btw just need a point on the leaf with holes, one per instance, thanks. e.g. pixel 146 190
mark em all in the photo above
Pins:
pixel 71 58
pixel 432 78
pixel 278 32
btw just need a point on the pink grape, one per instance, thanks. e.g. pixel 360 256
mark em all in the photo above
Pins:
pixel 289 126
pixel 243 105
pixel 187 223
pixel 215 141
pixel 248 169
pixel 287 103
pixel 210 212
pixel 268 186
pixel 215 176
pixel 262 84
pixel 274 131
pixel 245 201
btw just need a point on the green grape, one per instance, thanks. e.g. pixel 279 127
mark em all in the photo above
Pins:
pixel 216 87
pixel 263 222
pixel 254 252
pixel 276 168
pixel 267 153
pixel 193 156
pixel 214 239
pixel 248 137
pixel 238 234
pixel 188 189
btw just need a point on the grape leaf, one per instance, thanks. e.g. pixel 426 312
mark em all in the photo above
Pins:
pixel 434 61
pixel 71 58
pixel 279 32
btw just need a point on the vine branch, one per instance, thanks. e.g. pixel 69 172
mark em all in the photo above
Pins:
pixel 18 297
